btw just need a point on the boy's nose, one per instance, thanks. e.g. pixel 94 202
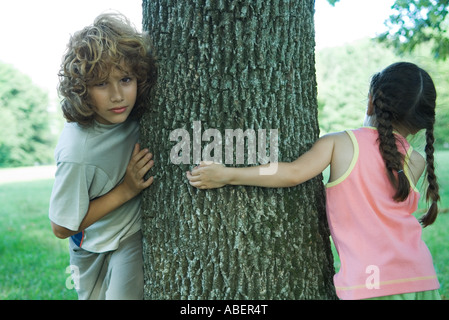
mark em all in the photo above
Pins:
pixel 116 94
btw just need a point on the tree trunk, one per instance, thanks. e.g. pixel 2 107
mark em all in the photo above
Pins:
pixel 246 64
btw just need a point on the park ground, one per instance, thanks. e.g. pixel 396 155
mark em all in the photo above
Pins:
pixel 35 264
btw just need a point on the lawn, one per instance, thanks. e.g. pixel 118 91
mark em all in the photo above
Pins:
pixel 33 262
pixel 436 236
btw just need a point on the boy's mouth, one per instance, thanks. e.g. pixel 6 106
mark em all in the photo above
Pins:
pixel 118 109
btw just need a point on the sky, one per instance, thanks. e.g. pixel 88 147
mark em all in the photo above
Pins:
pixel 34 34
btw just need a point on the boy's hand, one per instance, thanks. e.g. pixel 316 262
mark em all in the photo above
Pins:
pixel 207 175
pixel 141 162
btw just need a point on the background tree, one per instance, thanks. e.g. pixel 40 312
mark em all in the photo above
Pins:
pixel 25 137
pixel 415 22
pixel 233 65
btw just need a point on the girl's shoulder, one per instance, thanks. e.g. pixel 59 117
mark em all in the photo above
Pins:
pixel 342 144
pixel 340 139
pixel 416 165
pixel 342 154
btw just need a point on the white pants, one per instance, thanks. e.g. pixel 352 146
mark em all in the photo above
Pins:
pixel 112 275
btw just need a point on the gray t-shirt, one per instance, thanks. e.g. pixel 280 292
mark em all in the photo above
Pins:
pixel 91 162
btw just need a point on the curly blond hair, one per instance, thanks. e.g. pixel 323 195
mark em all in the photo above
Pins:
pixel 110 42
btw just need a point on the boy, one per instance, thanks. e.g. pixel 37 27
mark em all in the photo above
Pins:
pixel 106 73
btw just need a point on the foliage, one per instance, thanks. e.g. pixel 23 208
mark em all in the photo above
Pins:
pixel 333 2
pixel 415 22
pixel 25 137
pixel 344 74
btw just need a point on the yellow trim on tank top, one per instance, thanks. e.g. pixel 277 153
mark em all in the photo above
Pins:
pixel 355 156
pixel 406 169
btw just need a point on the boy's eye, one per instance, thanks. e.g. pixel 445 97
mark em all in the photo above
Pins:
pixel 127 79
pixel 101 84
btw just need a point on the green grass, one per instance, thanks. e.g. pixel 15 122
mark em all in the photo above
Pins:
pixel 436 236
pixel 33 261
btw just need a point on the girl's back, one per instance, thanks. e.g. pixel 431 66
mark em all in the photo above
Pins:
pixel 343 154
pixel 370 229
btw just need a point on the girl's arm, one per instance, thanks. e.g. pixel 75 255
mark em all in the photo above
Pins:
pixel 131 186
pixel 273 175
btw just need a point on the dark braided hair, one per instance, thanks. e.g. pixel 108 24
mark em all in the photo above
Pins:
pixel 404 96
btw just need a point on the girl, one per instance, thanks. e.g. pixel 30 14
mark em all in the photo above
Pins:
pixel 371 193
pixel 106 74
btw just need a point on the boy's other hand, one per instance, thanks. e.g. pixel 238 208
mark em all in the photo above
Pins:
pixel 141 162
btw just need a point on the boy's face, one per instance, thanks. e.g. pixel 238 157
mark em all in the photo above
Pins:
pixel 114 98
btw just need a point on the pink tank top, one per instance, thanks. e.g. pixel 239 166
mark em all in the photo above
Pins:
pixel 378 239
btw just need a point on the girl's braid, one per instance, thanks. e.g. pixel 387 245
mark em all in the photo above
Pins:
pixel 387 145
pixel 404 96
pixel 432 194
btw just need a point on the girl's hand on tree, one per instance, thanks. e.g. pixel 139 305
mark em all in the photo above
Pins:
pixel 139 165
pixel 207 175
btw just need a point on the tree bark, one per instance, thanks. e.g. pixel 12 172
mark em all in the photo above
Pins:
pixel 246 64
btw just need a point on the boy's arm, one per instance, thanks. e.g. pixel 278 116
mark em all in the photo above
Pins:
pixel 273 175
pixel 131 186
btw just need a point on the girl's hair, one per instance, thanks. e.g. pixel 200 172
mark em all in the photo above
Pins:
pixel 92 53
pixel 404 97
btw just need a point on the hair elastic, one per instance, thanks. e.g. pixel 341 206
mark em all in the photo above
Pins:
pixel 400 171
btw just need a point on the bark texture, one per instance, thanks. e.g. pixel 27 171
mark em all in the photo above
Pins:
pixel 246 64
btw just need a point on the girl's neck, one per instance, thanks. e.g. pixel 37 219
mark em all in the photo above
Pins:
pixel 370 121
